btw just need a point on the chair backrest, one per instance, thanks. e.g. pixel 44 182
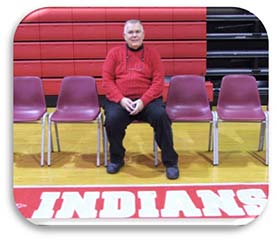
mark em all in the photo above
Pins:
pixel 238 90
pixel 187 98
pixel 28 91
pixel 28 98
pixel 78 92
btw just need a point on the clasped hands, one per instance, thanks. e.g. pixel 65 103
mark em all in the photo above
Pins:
pixel 133 107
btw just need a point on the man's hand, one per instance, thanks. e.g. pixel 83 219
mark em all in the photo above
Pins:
pixel 138 107
pixel 127 104
pixel 133 107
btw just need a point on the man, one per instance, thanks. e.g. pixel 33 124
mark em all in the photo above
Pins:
pixel 133 80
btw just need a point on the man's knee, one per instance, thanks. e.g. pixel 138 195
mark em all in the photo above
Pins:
pixel 114 118
pixel 159 115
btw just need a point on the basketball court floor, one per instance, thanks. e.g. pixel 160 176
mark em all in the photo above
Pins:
pixel 241 168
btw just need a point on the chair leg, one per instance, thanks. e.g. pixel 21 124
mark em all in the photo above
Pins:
pixel 267 138
pixel 102 134
pixel 215 139
pixel 105 141
pixel 52 145
pixel 42 138
pixel 98 140
pixel 155 151
pixel 49 140
pixel 210 141
pixel 261 136
pixel 57 137
pixel 104 145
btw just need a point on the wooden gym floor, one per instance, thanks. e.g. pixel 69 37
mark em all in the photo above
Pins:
pixel 76 163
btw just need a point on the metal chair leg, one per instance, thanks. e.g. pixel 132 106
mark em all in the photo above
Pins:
pixel 43 121
pixel 155 151
pixel 210 140
pixel 267 138
pixel 99 140
pixel 261 136
pixel 57 136
pixel 49 140
pixel 215 139
pixel 102 133
pixel 105 140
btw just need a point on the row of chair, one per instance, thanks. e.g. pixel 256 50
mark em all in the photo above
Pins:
pixel 77 102
pixel 238 101
pixel 187 101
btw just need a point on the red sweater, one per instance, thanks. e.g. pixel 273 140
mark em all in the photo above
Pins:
pixel 133 74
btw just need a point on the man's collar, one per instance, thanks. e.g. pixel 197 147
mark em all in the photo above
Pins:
pixel 134 50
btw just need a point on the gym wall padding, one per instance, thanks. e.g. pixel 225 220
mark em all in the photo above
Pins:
pixel 56 42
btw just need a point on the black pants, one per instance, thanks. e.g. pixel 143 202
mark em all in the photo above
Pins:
pixel 117 120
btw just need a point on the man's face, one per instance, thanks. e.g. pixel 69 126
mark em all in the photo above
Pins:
pixel 134 35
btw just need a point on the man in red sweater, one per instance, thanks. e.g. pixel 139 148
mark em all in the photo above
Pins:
pixel 133 80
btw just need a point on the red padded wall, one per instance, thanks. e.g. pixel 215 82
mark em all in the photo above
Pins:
pixel 58 41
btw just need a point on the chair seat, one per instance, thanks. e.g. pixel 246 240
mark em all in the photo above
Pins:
pixel 28 114
pixel 241 114
pixel 189 114
pixel 76 115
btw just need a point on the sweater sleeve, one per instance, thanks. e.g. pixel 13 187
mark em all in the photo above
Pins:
pixel 157 84
pixel 108 83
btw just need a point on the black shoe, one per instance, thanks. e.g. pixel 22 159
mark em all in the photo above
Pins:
pixel 172 172
pixel 113 168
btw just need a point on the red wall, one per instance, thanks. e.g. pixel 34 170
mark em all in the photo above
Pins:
pixel 55 42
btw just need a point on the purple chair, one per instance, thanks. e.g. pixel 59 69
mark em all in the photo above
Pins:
pixel 77 103
pixel 29 104
pixel 239 101
pixel 187 101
